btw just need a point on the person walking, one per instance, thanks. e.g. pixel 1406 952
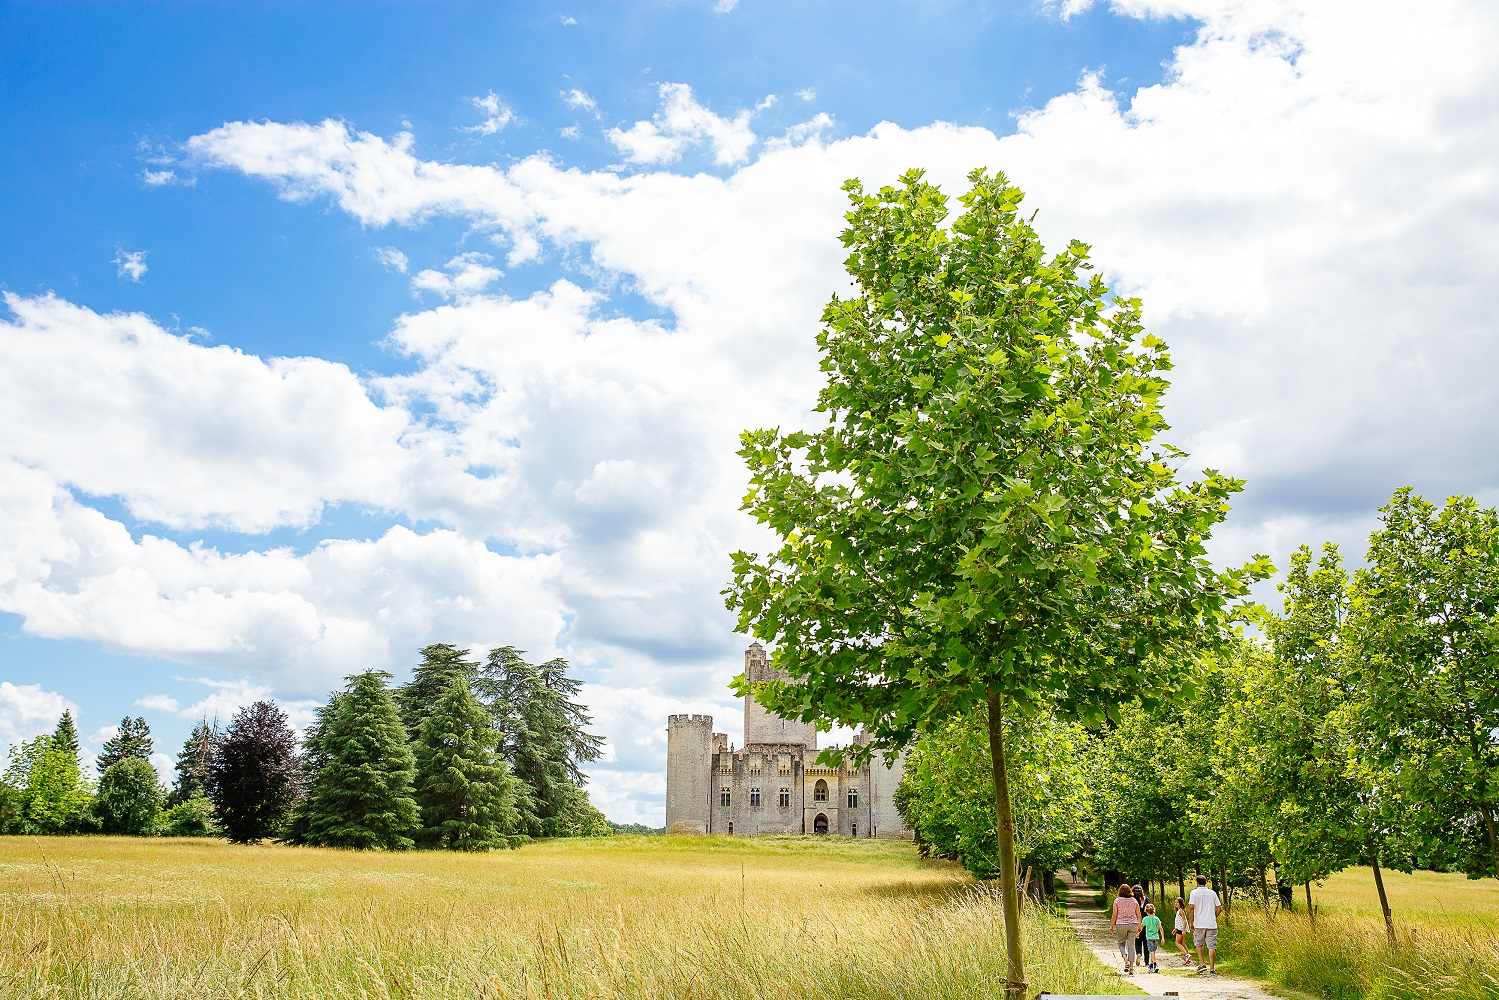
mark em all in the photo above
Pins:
pixel 1124 921
pixel 1180 927
pixel 1151 931
pixel 1203 909
pixel 1143 898
pixel 1074 874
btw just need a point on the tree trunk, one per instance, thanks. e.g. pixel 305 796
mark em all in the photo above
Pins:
pixel 1488 825
pixel 1311 911
pixel 1005 828
pixel 1181 883
pixel 1264 889
pixel 1384 901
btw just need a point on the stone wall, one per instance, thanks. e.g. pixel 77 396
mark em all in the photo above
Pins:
pixel 689 757
pixel 760 726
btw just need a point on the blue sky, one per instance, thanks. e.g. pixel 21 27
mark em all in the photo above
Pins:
pixel 529 268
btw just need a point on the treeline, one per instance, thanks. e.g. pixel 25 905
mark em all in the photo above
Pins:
pixel 466 756
pixel 1358 725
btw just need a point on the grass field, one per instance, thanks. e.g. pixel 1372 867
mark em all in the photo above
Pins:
pixel 630 917
pixel 1447 939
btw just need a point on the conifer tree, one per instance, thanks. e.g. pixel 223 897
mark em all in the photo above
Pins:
pixel 254 778
pixel 544 737
pixel 361 795
pixel 65 737
pixel 417 698
pixel 315 754
pixel 465 791
pixel 133 739
pixel 193 761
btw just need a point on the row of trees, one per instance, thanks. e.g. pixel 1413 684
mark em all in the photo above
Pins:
pixel 46 791
pixel 465 756
pixel 1359 726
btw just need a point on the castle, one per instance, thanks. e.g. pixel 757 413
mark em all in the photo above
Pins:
pixel 773 784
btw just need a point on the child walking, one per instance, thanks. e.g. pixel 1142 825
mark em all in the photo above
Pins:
pixel 1181 930
pixel 1153 928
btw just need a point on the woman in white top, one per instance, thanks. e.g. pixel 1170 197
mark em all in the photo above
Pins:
pixel 1124 921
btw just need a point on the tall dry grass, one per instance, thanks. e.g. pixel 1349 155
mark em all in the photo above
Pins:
pixel 618 917
pixel 1347 956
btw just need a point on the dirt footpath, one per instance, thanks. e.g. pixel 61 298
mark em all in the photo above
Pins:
pixel 1092 925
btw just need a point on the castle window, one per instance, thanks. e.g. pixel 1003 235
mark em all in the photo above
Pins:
pixel 723 795
pixel 784 799
pixel 783 765
pixel 755 763
pixel 726 763
pixel 855 828
pixel 820 791
pixel 754 798
pixel 853 798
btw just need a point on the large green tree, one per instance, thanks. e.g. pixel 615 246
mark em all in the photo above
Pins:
pixel 985 516
pixel 544 738
pixel 192 763
pixel 464 789
pixel 1426 622
pixel 440 664
pixel 130 797
pixel 360 796
pixel 65 736
pixel 132 738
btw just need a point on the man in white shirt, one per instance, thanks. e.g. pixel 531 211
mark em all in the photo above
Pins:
pixel 1203 907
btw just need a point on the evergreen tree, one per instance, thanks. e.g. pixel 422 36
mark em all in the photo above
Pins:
pixel 361 796
pixel 465 791
pixel 133 739
pixel 315 755
pixel 254 777
pixel 65 738
pixel 192 763
pixel 130 797
pixel 441 663
pixel 544 737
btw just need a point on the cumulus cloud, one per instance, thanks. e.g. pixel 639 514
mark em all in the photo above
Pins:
pixel 575 98
pixel 497 115
pixel 681 122
pixel 807 94
pixel 26 711
pixel 130 264
pixel 1308 220
pixel 161 178
pixel 159 703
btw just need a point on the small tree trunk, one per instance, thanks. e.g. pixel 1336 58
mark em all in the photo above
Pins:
pixel 1311 911
pixel 1005 828
pixel 1181 883
pixel 1384 901
pixel 1264 889
pixel 1488 825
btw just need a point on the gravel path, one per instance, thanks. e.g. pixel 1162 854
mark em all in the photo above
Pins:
pixel 1092 925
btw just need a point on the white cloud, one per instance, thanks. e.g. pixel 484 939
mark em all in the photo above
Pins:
pixel 802 132
pixel 680 123
pixel 570 132
pixel 497 115
pixel 130 264
pixel 568 20
pixel 468 275
pixel 159 703
pixel 26 711
pixel 724 6
pixel 166 767
pixel 1308 219
pixel 392 259
pixel 807 94
pixel 575 98
pixel 161 178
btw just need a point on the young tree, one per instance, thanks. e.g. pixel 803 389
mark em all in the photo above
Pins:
pixel 360 797
pixel 131 739
pixel 193 762
pixel 254 778
pixel 543 737
pixel 440 664
pixel 985 518
pixel 1426 618
pixel 65 737
pixel 130 797
pixel 465 791
pixel 57 797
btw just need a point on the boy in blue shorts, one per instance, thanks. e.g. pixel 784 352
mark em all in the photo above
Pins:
pixel 1152 927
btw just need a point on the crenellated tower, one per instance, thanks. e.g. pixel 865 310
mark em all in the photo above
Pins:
pixel 689 759
pixel 761 727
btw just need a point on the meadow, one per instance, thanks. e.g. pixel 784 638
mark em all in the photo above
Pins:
pixel 628 917
pixel 1447 939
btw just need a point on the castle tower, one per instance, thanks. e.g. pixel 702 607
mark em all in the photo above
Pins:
pixel 760 726
pixel 689 763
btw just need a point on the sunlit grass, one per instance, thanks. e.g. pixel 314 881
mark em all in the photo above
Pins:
pixel 1419 896
pixel 617 917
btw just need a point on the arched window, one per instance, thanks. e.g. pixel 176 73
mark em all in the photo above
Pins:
pixel 853 798
pixel 723 795
pixel 754 798
pixel 784 798
pixel 820 793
